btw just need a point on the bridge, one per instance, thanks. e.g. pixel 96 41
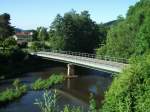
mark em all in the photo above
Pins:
pixel 101 63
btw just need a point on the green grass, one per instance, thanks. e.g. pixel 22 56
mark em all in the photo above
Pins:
pixel 45 84
pixel 11 94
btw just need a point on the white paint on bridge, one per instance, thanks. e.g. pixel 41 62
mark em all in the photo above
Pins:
pixel 88 62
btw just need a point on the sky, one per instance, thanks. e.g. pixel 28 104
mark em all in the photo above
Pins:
pixel 30 14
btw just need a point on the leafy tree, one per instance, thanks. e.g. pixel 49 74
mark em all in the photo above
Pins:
pixel 131 35
pixel 57 43
pixel 42 33
pixel 56 39
pixel 6 29
pixel 75 32
pixel 35 34
pixel 103 30
pixel 37 45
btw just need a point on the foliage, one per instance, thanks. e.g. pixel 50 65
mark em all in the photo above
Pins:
pixel 8 43
pixel 57 43
pixel 16 83
pixel 103 30
pixel 48 104
pixel 75 32
pixel 13 55
pixel 45 84
pixel 130 36
pixel 36 45
pixel 42 34
pixel 6 30
pixel 12 94
pixel 34 35
pixel 67 108
pixel 92 106
pixel 130 90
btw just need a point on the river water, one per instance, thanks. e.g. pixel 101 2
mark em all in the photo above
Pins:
pixel 75 91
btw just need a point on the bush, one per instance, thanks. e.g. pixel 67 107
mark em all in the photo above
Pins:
pixel 12 94
pixel 92 106
pixel 38 45
pixel 45 84
pixel 130 90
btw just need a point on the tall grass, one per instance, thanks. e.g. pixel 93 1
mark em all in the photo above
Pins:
pixel 68 108
pixel 48 104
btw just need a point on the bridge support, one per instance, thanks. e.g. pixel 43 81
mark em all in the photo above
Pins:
pixel 70 71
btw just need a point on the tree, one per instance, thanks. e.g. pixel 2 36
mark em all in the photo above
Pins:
pixel 35 34
pixel 6 29
pixel 77 32
pixel 9 43
pixel 131 35
pixel 42 33
pixel 103 29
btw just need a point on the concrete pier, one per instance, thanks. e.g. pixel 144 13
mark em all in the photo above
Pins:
pixel 70 71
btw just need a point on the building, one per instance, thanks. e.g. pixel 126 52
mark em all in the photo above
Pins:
pixel 23 37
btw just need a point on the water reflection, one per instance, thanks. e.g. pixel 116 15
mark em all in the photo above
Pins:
pixel 68 83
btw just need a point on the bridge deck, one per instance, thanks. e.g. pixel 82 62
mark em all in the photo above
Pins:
pixel 94 63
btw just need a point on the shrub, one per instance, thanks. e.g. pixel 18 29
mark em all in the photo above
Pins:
pixel 130 90
pixel 92 106
pixel 45 84
pixel 12 94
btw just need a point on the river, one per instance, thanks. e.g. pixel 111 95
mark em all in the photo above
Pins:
pixel 75 91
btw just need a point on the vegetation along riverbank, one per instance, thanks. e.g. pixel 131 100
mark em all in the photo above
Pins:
pixel 13 93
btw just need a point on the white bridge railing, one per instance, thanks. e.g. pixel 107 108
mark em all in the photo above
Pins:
pixel 84 55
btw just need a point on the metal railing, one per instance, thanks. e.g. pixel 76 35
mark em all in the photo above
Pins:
pixel 82 55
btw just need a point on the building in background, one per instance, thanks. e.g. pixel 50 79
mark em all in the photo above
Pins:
pixel 23 37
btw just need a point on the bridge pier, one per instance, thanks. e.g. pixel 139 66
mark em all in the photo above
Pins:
pixel 70 71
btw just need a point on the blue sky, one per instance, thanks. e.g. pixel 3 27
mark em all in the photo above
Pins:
pixel 29 14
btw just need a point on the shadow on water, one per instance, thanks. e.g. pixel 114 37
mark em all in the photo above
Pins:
pixel 74 91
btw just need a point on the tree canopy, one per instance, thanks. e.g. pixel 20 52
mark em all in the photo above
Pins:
pixel 131 35
pixel 42 34
pixel 6 29
pixel 75 32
